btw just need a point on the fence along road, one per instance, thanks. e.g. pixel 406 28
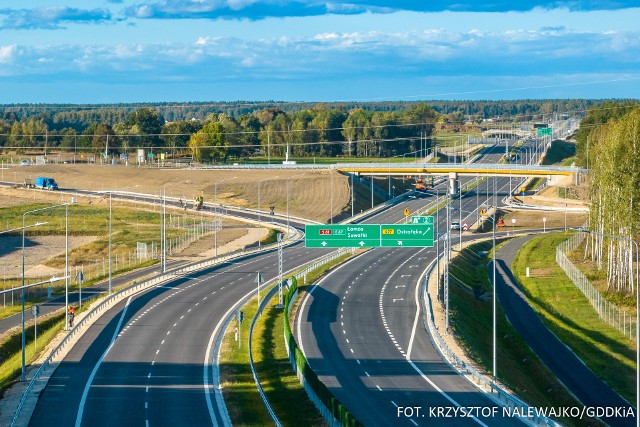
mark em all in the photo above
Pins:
pixel 563 362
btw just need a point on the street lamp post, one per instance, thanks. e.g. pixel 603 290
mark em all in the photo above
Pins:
pixel 288 195
pixel 259 213
pixel 215 201
pixel 66 269
pixel 627 239
pixel 163 228
pixel 110 231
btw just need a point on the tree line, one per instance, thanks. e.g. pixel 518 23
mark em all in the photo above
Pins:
pixel 319 131
pixel 610 139
pixel 214 131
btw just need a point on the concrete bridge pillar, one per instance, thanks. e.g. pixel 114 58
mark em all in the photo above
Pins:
pixel 454 188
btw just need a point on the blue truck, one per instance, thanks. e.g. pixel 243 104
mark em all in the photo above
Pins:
pixel 46 183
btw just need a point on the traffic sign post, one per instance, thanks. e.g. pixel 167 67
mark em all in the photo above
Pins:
pixel 422 220
pixel 35 310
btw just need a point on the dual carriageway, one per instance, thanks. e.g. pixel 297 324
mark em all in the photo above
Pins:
pixel 149 359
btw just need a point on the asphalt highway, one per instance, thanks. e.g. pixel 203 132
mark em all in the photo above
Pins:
pixel 361 330
pixel 146 361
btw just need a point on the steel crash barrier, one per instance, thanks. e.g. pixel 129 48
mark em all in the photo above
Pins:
pixel 116 297
pixel 332 410
pixel 493 390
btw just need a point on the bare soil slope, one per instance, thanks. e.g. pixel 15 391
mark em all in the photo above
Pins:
pixel 309 191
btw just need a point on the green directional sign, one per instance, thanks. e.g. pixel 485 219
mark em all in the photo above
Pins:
pixel 342 236
pixel 422 220
pixel 406 235
pixel 545 131
pixel 370 235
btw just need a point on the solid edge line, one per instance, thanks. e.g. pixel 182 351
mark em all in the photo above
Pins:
pixel 87 386
pixel 417 318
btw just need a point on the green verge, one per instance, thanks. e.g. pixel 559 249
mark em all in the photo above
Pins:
pixel 11 348
pixel 471 320
pixel 280 383
pixel 570 316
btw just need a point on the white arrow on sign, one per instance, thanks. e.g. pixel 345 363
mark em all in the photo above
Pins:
pixel 324 243
pixel 426 231
pixel 361 243
pixel 399 242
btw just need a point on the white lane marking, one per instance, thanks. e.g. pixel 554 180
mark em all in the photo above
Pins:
pixel 367 373
pixel 414 423
pixel 378 387
pixel 146 405
pixel 306 298
pixel 416 319
pixel 87 386
pixel 394 404
pixel 146 390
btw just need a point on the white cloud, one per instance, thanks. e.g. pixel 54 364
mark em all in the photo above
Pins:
pixel 7 53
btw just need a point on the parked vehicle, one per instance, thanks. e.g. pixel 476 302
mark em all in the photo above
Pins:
pixel 46 183
pixel 455 225
pixel 25 162
pixel 28 183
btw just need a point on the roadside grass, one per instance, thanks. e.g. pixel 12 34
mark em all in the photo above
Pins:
pixel 11 348
pixel 568 314
pixel 280 383
pixel 560 151
pixel 129 226
pixel 518 366
pixel 599 280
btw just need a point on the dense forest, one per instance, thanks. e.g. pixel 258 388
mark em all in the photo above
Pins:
pixel 212 131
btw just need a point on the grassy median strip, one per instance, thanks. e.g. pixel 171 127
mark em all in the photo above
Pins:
pixel 570 316
pixel 280 383
pixel 471 319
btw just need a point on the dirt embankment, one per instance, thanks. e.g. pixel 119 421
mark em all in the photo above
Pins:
pixel 309 192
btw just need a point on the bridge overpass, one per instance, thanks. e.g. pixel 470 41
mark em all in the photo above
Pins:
pixel 459 169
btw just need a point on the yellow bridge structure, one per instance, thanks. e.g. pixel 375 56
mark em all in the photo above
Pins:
pixel 450 169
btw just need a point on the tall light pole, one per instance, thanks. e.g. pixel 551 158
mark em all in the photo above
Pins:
pixel 259 213
pixel 495 291
pixel 110 232
pixel 66 269
pixel 215 201
pixel 288 193
pixel 627 239
pixel 163 229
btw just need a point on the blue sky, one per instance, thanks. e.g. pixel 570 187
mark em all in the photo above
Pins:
pixel 94 51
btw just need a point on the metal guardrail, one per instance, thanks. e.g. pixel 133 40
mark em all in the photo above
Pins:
pixel 493 390
pixel 118 296
pixel 267 299
pixel 471 167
